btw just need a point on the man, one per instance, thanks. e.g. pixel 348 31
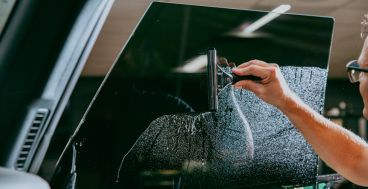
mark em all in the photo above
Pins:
pixel 339 148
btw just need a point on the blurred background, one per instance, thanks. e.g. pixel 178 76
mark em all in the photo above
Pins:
pixel 346 45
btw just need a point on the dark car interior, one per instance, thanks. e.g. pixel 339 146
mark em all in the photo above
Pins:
pixel 43 48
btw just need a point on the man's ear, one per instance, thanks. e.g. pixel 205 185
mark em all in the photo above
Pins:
pixel 363 58
pixel 364 28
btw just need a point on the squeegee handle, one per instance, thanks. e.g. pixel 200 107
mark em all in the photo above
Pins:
pixel 237 78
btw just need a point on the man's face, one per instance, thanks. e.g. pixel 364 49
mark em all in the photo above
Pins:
pixel 363 86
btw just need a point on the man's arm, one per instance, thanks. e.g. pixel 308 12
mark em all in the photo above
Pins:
pixel 339 148
pixel 342 150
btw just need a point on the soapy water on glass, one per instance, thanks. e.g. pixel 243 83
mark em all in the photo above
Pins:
pixel 246 142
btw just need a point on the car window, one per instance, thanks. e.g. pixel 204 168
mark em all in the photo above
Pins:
pixel 149 126
pixel 6 7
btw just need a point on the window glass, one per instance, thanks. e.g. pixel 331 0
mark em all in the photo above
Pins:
pixel 149 126
pixel 6 7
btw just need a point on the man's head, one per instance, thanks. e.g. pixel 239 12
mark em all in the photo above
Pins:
pixel 363 78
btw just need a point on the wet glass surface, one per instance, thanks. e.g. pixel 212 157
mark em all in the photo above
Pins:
pixel 245 143
pixel 148 126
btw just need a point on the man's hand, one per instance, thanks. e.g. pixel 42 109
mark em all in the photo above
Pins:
pixel 222 61
pixel 272 88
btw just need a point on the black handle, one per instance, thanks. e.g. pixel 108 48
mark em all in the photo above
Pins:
pixel 237 78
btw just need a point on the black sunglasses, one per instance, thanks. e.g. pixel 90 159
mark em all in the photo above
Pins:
pixel 354 70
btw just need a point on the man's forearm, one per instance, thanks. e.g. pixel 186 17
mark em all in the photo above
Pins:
pixel 338 147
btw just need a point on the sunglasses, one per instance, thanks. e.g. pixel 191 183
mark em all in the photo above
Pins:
pixel 354 70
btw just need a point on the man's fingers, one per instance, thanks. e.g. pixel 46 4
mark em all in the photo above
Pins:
pixel 254 62
pixel 232 64
pixel 254 70
pixel 249 85
pixel 222 61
